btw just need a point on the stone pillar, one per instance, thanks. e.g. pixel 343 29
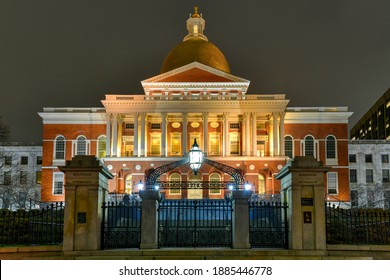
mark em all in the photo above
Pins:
pixel 240 223
pixel 247 135
pixel 149 222
pixel 275 133
pixel 114 135
pixel 135 143
pixel 86 185
pixel 108 135
pixel 163 134
pixel 281 135
pixel 120 133
pixel 254 134
pixel 184 144
pixel 205 133
pixel 143 116
pixel 225 148
pixel 303 188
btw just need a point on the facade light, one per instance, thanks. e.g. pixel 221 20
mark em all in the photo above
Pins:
pixel 196 157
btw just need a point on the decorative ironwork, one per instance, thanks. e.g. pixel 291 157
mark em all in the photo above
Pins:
pixel 268 227
pixel 237 176
pixel 164 185
pixel 357 226
pixel 43 226
pixel 151 179
pixel 121 226
pixel 195 223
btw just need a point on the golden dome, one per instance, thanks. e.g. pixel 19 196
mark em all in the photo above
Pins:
pixel 195 49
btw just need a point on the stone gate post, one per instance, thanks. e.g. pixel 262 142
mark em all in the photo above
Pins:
pixel 149 221
pixel 303 189
pixel 86 185
pixel 240 223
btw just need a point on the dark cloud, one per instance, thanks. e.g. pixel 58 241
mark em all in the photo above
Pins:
pixel 71 53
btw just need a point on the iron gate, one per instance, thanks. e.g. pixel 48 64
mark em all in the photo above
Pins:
pixel 195 223
pixel 268 227
pixel 121 226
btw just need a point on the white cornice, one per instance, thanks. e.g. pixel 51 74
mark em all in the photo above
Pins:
pixel 72 118
pixel 317 117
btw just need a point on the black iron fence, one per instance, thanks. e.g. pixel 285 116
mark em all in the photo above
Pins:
pixel 195 223
pixel 121 226
pixel 43 226
pixel 268 227
pixel 357 226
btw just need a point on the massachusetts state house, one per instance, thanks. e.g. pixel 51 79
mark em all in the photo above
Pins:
pixel 196 97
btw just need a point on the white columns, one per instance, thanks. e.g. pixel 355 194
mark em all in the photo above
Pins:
pixel 114 135
pixel 254 134
pixel 163 134
pixel 184 143
pixel 143 116
pixel 275 133
pixel 135 143
pixel 247 135
pixel 108 135
pixel 205 132
pixel 225 147
pixel 119 137
pixel 281 134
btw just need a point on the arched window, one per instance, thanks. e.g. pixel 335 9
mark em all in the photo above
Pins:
pixel 261 184
pixel 101 146
pixel 59 152
pixel 331 147
pixel 174 188
pixel 129 184
pixel 288 146
pixel 215 188
pixel 81 146
pixel 309 146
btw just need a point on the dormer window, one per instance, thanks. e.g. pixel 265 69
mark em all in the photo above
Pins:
pixel 195 29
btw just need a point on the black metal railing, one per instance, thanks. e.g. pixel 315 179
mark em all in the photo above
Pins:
pixel 268 227
pixel 357 226
pixel 195 223
pixel 121 225
pixel 43 226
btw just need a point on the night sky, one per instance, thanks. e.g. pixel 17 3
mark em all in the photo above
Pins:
pixel 69 53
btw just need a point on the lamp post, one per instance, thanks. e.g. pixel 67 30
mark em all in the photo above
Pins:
pixel 195 157
pixel 140 185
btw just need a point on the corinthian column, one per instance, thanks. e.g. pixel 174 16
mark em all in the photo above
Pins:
pixel 143 116
pixel 254 134
pixel 108 135
pixel 164 134
pixel 205 132
pixel 184 144
pixel 135 134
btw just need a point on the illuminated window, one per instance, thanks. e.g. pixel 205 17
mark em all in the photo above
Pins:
pixel 332 183
pixel 58 183
pixel 38 177
pixel 215 183
pixel 234 143
pixel 59 152
pixel 174 188
pixel 288 146
pixel 155 145
pixel 214 144
pixel 196 29
pixel 81 146
pixel 309 146
pixel 101 146
pixel 196 136
pixel 330 147
pixel 176 144
pixel 129 184
pixel 129 145
pixel 261 184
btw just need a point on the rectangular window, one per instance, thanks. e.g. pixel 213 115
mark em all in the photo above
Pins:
pixel 58 183
pixel 38 177
pixel 23 177
pixel 332 183
pixel 234 125
pixel 385 158
pixel 369 176
pixel 129 126
pixel 129 146
pixel 368 158
pixel 39 160
pixel 353 176
pixel 260 126
pixel 176 144
pixel 260 147
pixel 155 126
pixel 385 176
pixel 214 144
pixel 8 160
pixel 23 160
pixel 7 178
pixel 352 158
pixel 155 145
pixel 234 144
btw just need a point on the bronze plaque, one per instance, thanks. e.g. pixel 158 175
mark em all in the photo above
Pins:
pixel 307 201
pixel 307 217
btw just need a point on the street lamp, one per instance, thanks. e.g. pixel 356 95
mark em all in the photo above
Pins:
pixel 196 157
pixel 247 186
pixel 140 185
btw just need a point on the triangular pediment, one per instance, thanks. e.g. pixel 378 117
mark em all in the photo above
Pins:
pixel 195 72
